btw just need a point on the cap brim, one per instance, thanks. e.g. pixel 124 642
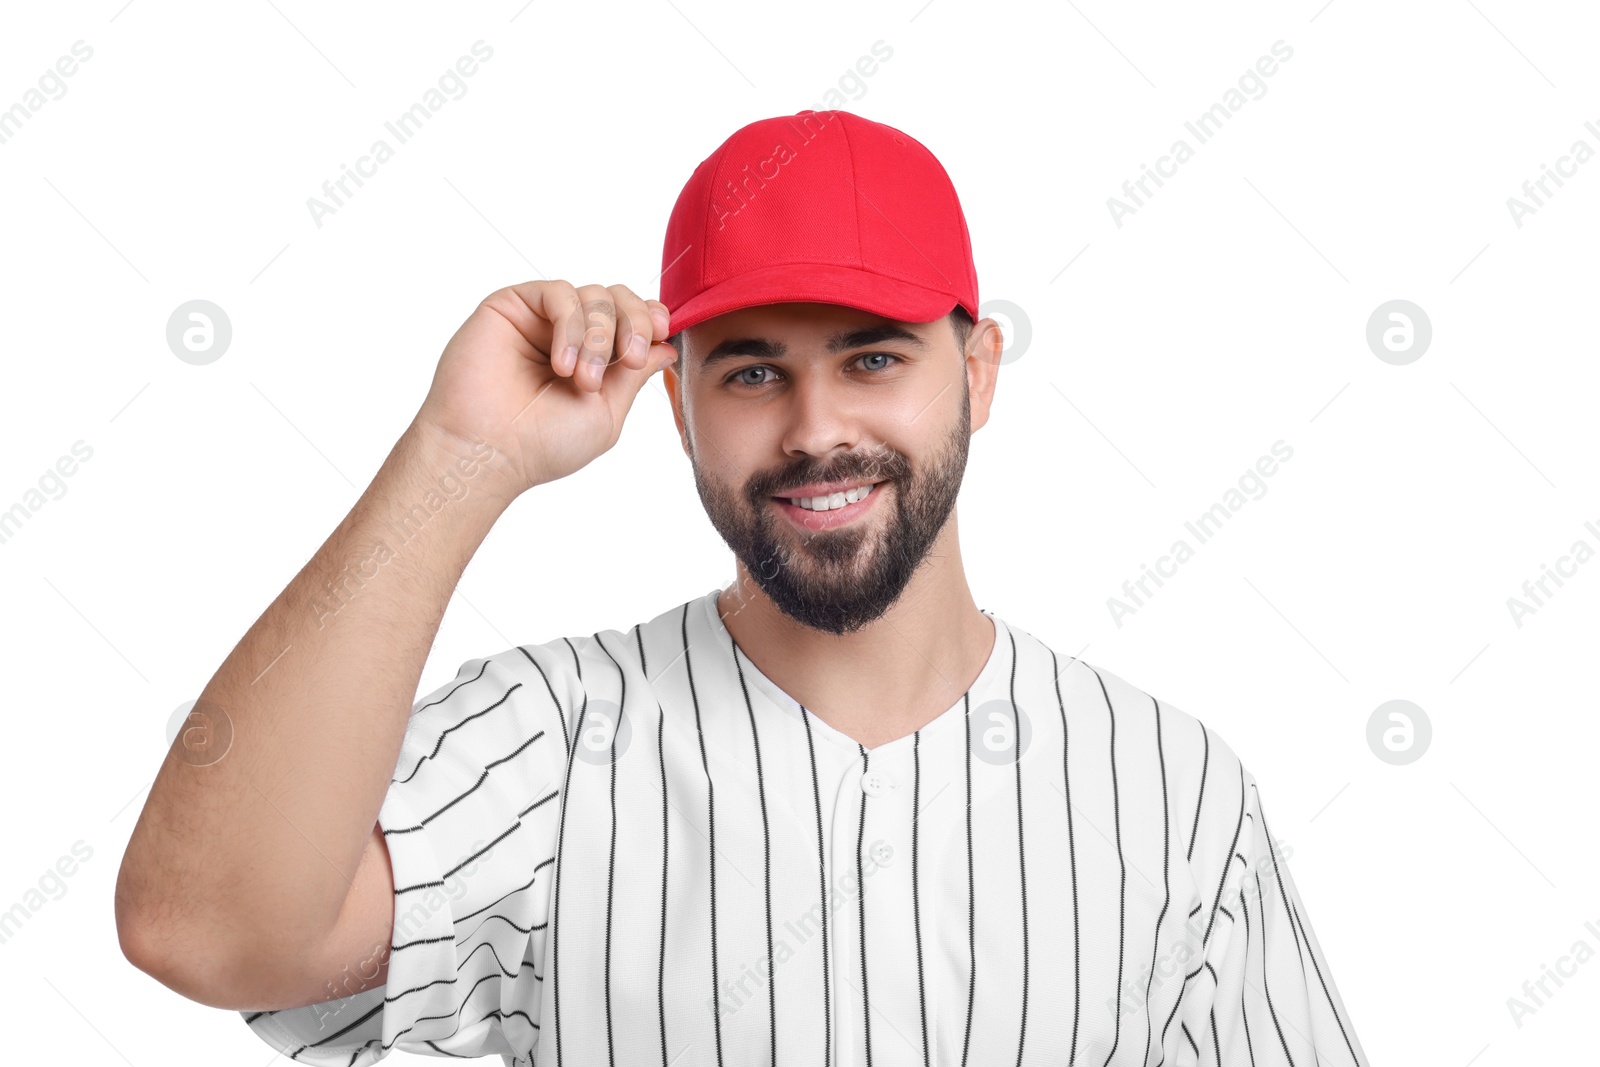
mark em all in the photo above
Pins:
pixel 819 284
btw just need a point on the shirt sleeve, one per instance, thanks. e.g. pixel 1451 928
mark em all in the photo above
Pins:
pixel 1264 995
pixel 469 820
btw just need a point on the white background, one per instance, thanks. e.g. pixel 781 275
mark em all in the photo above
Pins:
pixel 1166 356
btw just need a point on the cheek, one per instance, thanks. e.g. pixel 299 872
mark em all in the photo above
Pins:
pixel 726 437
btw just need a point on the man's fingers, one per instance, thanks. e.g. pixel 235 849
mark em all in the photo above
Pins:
pixel 560 305
pixel 598 330
pixel 661 318
pixel 635 331
pixel 589 327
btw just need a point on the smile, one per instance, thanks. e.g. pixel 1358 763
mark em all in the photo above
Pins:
pixel 826 512
pixel 832 502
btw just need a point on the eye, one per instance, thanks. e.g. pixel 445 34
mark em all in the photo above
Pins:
pixel 736 378
pixel 885 355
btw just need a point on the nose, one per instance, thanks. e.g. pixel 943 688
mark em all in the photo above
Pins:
pixel 822 418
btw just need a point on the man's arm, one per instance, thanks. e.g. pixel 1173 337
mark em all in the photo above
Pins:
pixel 256 875
pixel 255 855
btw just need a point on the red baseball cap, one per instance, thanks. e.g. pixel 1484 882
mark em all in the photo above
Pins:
pixel 824 207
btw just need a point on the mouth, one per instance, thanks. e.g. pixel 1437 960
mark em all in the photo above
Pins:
pixel 836 509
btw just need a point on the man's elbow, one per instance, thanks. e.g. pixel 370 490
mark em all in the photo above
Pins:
pixel 180 955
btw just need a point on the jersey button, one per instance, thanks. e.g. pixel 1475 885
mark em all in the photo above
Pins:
pixel 882 853
pixel 874 784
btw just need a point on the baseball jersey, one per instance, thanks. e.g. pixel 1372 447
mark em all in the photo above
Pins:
pixel 634 848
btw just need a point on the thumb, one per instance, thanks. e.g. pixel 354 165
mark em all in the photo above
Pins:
pixel 622 383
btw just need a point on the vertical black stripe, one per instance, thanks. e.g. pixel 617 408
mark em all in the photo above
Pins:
pixel 560 711
pixel 972 913
pixel 1190 1038
pixel 766 845
pixel 1022 868
pixel 1072 859
pixel 1266 955
pixel 1295 918
pixel 1244 1014
pixel 1283 895
pixel 611 863
pixel 1122 892
pixel 555 903
pixel 916 906
pixel 1266 989
pixel 822 888
pixel 711 837
pixel 661 963
pixel 577 666
pixel 1166 889
pixel 1223 878
pixel 1199 800
pixel 861 904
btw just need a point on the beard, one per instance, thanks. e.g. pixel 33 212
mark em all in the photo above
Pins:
pixel 839 580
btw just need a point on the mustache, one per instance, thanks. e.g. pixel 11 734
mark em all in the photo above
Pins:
pixel 893 468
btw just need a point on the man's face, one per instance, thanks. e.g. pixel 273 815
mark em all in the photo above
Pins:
pixel 784 396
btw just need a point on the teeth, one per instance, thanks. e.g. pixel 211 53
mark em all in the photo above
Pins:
pixel 829 503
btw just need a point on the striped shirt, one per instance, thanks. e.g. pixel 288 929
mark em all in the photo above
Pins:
pixel 634 848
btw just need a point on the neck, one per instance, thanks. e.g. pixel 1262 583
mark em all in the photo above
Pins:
pixel 891 676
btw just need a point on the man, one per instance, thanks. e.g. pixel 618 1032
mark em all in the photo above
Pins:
pixel 833 813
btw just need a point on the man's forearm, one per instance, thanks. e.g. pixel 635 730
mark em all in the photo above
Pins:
pixel 260 812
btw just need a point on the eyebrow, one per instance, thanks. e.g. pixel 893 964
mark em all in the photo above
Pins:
pixel 762 348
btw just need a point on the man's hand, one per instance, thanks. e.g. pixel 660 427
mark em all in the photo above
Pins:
pixel 545 373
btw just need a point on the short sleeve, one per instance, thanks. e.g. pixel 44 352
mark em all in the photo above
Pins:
pixel 1264 995
pixel 470 822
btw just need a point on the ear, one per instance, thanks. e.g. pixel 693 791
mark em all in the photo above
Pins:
pixel 669 375
pixel 985 344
